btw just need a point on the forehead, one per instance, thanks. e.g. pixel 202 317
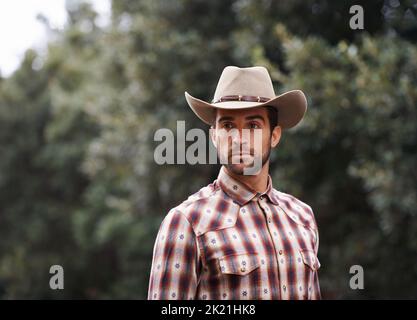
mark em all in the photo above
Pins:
pixel 241 114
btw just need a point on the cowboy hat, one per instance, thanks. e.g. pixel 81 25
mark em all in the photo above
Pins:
pixel 240 88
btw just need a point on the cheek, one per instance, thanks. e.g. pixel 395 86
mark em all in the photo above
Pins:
pixel 261 144
pixel 266 145
pixel 222 144
pixel 221 138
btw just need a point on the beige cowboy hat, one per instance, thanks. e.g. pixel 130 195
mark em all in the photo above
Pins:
pixel 240 88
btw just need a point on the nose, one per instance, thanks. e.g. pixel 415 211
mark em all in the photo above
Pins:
pixel 241 138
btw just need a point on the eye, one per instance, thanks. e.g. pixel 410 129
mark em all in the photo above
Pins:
pixel 254 125
pixel 227 125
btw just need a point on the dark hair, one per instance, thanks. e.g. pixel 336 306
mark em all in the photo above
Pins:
pixel 272 116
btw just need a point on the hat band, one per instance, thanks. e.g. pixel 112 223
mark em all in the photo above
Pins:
pixel 242 98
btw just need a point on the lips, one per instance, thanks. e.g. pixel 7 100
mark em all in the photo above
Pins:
pixel 241 155
pixel 251 153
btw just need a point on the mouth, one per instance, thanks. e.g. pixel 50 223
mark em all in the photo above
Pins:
pixel 242 158
pixel 241 155
pixel 234 153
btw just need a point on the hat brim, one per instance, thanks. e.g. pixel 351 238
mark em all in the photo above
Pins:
pixel 291 107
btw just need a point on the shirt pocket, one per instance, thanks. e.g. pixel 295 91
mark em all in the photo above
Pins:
pixel 238 264
pixel 310 259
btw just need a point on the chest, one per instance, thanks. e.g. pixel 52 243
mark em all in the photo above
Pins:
pixel 267 231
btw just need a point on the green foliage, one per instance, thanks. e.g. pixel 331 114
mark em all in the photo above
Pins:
pixel 78 183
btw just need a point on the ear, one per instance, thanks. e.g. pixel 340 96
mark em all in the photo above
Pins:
pixel 276 136
pixel 212 133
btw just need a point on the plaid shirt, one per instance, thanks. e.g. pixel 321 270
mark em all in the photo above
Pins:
pixel 229 242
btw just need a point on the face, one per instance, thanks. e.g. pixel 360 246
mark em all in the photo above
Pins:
pixel 243 139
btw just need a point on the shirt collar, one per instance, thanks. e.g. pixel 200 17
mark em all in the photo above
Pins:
pixel 240 192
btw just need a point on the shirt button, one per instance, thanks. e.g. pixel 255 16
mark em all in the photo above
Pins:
pixel 269 220
pixel 261 197
pixel 243 269
pixel 280 252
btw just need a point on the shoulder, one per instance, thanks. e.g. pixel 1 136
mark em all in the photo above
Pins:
pixel 298 210
pixel 201 209
pixel 189 208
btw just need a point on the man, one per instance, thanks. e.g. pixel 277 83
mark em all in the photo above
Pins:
pixel 239 238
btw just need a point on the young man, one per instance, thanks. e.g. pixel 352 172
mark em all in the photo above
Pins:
pixel 239 238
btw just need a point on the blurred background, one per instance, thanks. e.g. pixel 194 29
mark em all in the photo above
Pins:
pixel 79 108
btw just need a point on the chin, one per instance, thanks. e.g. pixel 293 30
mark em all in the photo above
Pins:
pixel 239 168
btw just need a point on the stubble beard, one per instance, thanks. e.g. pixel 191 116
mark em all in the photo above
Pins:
pixel 241 168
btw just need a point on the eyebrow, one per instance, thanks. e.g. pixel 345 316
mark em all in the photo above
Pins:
pixel 255 117
pixel 226 118
pixel 229 118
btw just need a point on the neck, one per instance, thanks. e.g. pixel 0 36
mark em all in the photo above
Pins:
pixel 258 182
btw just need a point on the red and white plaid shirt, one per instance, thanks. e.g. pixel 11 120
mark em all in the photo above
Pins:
pixel 229 242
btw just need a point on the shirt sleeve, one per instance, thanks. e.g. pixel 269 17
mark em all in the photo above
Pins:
pixel 316 294
pixel 176 260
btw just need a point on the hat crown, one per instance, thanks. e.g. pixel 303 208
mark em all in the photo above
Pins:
pixel 251 81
